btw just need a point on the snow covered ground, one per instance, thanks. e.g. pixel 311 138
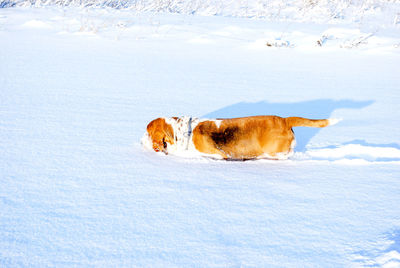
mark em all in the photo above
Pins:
pixel 78 87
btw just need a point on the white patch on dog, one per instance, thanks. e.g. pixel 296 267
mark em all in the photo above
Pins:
pixel 293 144
pixel 217 122
pixel 334 121
pixel 182 138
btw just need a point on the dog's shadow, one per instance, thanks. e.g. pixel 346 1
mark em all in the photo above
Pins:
pixel 314 109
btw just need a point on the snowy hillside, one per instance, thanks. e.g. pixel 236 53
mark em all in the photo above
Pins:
pixel 386 12
pixel 78 86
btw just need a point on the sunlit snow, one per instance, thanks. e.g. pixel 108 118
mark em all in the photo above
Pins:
pixel 79 84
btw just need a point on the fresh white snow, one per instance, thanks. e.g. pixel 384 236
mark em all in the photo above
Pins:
pixel 79 85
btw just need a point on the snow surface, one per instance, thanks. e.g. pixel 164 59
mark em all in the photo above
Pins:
pixel 78 87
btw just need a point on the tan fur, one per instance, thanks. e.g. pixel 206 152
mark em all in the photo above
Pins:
pixel 237 138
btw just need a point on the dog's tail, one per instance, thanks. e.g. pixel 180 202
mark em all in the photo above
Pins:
pixel 305 122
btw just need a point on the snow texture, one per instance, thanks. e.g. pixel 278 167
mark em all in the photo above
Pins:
pixel 78 87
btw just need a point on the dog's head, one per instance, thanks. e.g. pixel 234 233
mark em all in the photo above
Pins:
pixel 161 134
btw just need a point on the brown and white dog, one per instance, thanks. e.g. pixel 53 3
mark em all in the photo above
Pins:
pixel 236 139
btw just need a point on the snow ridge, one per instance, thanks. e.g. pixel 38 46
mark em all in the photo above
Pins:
pixel 351 153
pixel 318 11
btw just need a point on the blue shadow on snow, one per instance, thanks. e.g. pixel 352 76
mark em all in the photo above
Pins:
pixel 314 109
pixel 369 258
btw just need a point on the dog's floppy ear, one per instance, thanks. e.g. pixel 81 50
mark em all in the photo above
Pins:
pixel 160 131
pixel 154 126
pixel 169 133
